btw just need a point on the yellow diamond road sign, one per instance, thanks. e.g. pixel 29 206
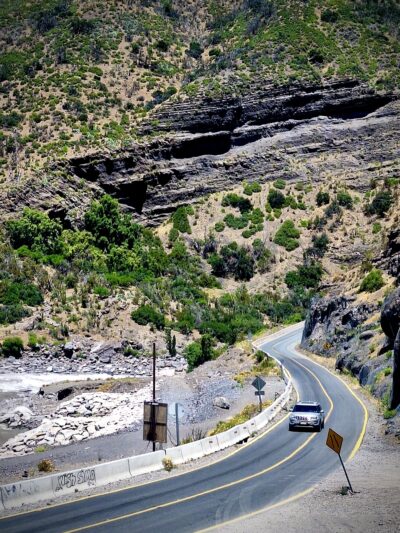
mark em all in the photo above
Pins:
pixel 334 441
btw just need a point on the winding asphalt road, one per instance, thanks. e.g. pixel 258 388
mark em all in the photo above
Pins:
pixel 270 470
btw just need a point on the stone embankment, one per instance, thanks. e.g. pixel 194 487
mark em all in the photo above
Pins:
pixel 86 416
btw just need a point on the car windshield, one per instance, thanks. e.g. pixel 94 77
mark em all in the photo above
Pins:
pixel 307 408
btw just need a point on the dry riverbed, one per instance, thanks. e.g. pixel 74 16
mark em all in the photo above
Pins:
pixel 196 393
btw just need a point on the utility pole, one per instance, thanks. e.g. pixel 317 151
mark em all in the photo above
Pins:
pixel 177 423
pixel 153 410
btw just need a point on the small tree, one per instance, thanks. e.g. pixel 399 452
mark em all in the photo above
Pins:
pixel 373 281
pixel 380 204
pixel 323 198
pixel 12 347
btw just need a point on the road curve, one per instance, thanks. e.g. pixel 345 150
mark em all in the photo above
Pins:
pixel 272 468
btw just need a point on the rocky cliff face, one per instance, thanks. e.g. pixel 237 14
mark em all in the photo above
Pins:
pixel 300 133
pixel 390 322
pixel 350 330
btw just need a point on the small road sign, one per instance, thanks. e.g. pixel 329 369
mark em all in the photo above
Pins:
pixel 258 383
pixel 334 441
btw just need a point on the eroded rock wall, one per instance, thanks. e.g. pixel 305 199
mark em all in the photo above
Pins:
pixel 300 133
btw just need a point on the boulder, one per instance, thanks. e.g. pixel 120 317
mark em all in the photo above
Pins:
pixel 23 412
pixel 103 351
pixel 221 402
pixel 69 349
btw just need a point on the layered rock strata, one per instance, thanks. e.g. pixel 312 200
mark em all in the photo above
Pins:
pixel 313 134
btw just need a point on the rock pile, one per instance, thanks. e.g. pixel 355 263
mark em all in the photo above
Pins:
pixel 82 356
pixel 19 417
pixel 85 416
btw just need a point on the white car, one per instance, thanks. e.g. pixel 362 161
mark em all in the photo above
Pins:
pixel 307 414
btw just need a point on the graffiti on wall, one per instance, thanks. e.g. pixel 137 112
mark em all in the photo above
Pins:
pixel 71 479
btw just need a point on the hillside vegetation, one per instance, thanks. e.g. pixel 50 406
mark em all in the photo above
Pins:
pixel 78 76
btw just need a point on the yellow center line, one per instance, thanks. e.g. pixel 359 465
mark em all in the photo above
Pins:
pixel 307 491
pixel 221 487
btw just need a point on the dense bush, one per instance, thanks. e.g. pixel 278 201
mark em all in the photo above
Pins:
pixel 329 15
pixel 381 204
pixel 198 352
pixel 180 220
pixel 195 49
pixel 233 259
pixel 36 231
pixel 147 314
pixel 373 281
pixel 262 256
pixel 250 188
pixel 287 236
pixel 319 246
pixel 323 198
pixel 12 313
pixel 108 225
pixel 237 201
pixel 305 276
pixel 344 199
pixel 280 183
pixel 19 293
pixel 12 347
pixel 236 222
pixel 332 209
pixel 276 199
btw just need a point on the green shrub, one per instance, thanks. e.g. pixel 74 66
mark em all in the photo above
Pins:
pixel 237 201
pixel 219 226
pixel 34 341
pixel 389 413
pixel 332 209
pixel 12 313
pixel 344 199
pixel 319 245
pixel 20 293
pixel 381 204
pixel 372 282
pixel 101 291
pixel 180 220
pixel 250 188
pixel 323 198
pixel 198 352
pixel 279 184
pixel 276 199
pixel 306 276
pixel 12 346
pixel 195 49
pixel 236 222
pixel 235 260
pixel 376 228
pixel 146 314
pixel 36 231
pixel 287 236
pixel 329 15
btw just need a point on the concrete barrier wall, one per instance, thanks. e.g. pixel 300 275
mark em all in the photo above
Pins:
pixel 210 445
pixel 29 491
pixel 175 454
pixel 148 462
